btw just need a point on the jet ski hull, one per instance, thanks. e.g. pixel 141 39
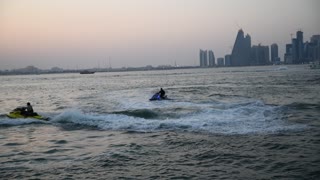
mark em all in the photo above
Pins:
pixel 156 97
pixel 18 115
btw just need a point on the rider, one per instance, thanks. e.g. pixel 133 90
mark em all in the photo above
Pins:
pixel 29 109
pixel 162 93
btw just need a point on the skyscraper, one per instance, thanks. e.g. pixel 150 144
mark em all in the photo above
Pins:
pixel 227 60
pixel 203 58
pixel 274 53
pixel 241 50
pixel 294 51
pixel 211 59
pixel 220 61
pixel 315 51
pixel 300 46
pixel 288 55
pixel 312 49
pixel 298 54
pixel 260 55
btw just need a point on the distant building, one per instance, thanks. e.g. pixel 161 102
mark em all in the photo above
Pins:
pixel 211 59
pixel 295 51
pixel 241 50
pixel 300 47
pixel 274 53
pixel 260 55
pixel 299 52
pixel 220 61
pixel 314 48
pixel 227 60
pixel 288 54
pixel 203 58
pixel 27 70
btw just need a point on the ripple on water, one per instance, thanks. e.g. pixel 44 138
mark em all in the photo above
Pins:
pixel 55 150
pixel 61 142
pixel 13 144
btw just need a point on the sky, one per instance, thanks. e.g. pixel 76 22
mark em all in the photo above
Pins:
pixel 76 34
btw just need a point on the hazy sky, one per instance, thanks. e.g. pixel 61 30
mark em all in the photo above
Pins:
pixel 85 33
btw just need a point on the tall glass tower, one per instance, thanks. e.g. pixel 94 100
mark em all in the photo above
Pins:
pixel 241 50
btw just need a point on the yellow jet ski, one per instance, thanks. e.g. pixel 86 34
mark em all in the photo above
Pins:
pixel 20 112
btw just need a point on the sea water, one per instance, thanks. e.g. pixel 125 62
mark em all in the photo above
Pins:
pixel 220 123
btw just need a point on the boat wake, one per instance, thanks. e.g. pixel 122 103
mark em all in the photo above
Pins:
pixel 217 118
pixel 247 117
pixel 7 122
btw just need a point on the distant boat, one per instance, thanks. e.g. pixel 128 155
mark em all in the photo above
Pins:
pixel 86 72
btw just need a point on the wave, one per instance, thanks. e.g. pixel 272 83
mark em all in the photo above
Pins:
pixel 245 117
pixel 7 122
pixel 304 106
pixel 238 118
pixel 141 113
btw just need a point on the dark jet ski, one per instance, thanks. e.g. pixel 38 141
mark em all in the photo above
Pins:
pixel 157 97
pixel 20 112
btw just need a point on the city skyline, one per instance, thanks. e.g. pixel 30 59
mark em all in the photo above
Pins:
pixel 86 34
pixel 246 54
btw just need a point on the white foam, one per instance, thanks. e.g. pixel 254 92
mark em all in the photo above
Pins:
pixel 241 118
pixel 16 122
pixel 281 68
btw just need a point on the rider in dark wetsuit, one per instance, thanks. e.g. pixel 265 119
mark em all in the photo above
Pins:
pixel 162 93
pixel 29 109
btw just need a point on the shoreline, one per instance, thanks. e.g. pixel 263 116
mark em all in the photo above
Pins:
pixel 40 72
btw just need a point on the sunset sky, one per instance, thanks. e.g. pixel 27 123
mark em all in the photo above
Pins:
pixel 85 33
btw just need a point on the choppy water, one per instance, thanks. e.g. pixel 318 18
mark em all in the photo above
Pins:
pixel 226 123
